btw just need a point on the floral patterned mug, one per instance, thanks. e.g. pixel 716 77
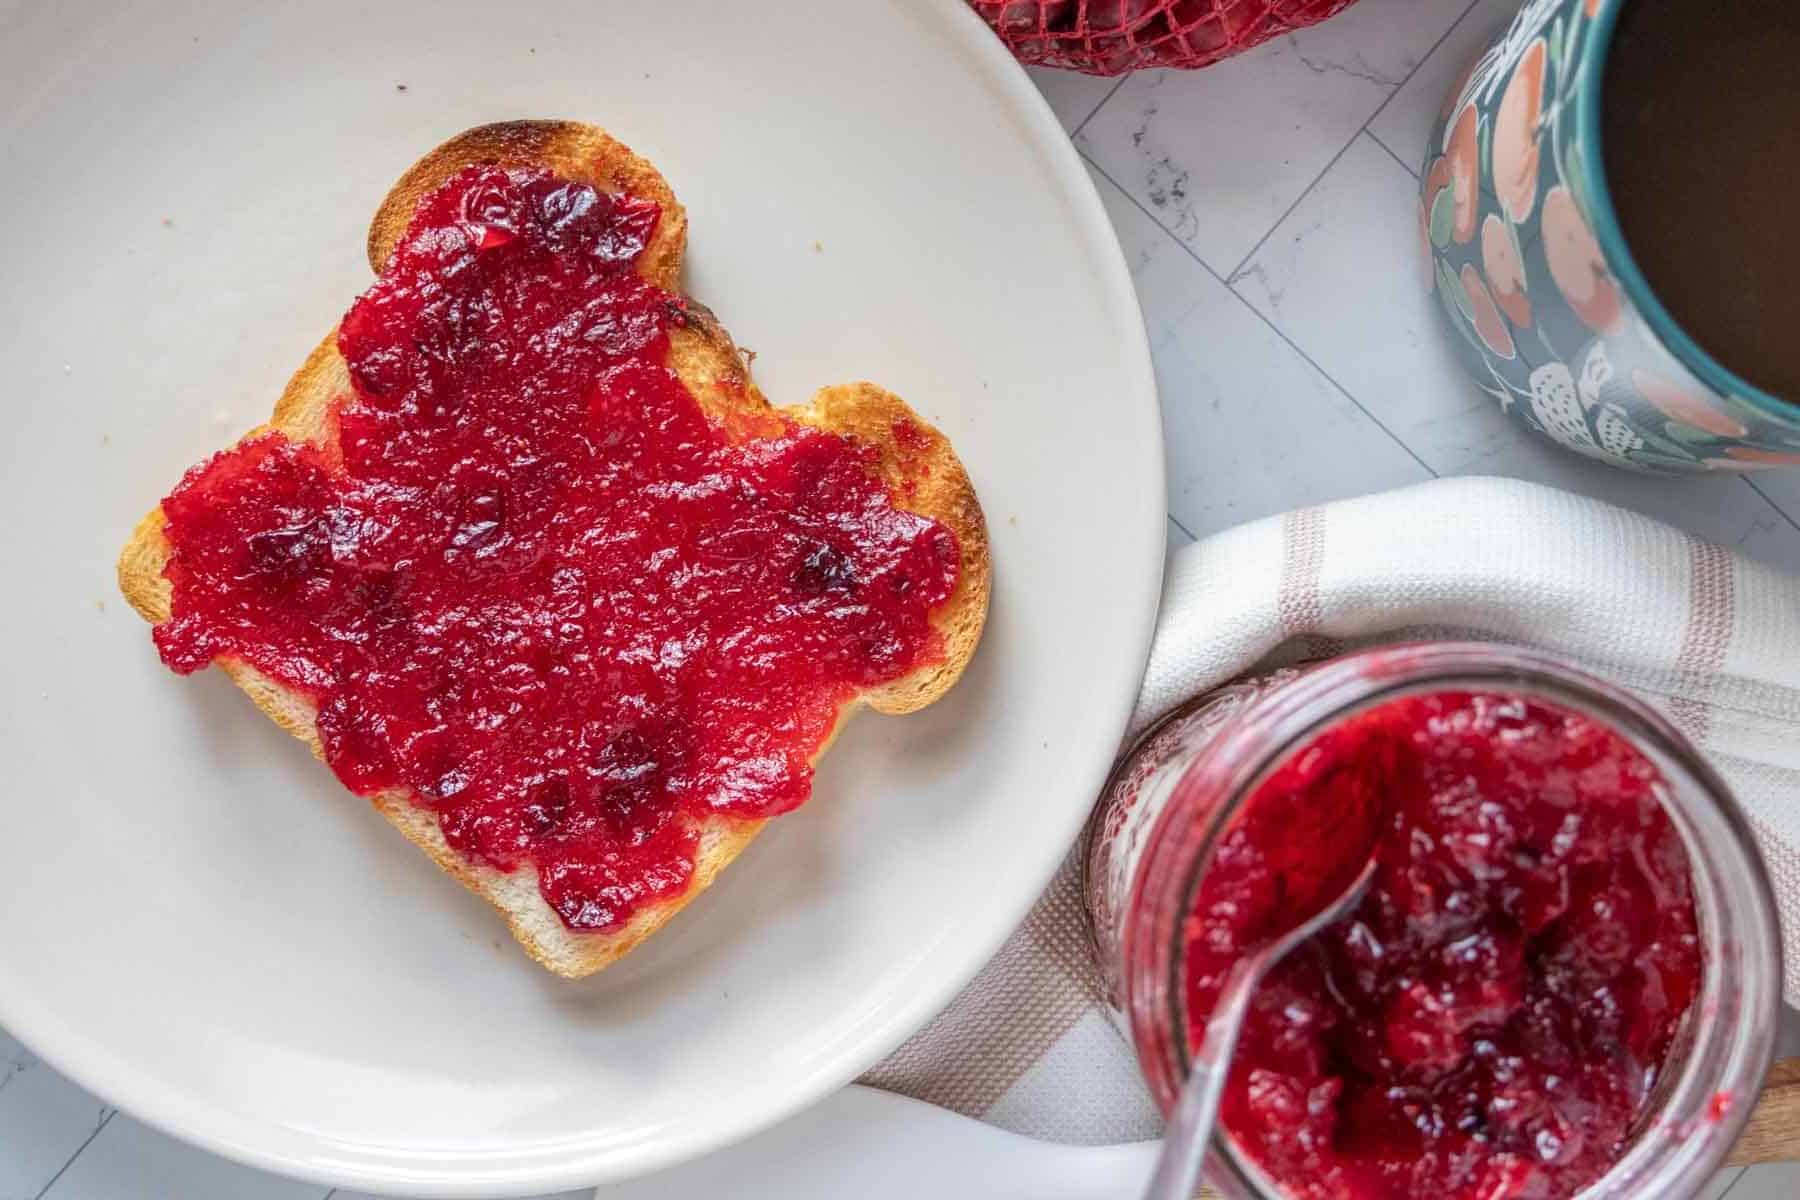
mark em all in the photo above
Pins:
pixel 1548 310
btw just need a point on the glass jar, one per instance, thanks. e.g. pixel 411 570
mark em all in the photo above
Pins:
pixel 1187 777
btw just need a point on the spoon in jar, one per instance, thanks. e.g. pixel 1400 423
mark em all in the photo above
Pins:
pixel 1190 1125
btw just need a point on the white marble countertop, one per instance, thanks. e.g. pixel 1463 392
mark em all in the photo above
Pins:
pixel 1267 209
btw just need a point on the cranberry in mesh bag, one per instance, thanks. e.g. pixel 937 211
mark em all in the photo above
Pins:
pixel 1110 37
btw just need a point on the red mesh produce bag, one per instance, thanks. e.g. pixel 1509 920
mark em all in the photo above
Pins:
pixel 1110 37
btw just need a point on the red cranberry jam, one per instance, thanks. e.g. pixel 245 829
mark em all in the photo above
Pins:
pixel 1490 1020
pixel 528 581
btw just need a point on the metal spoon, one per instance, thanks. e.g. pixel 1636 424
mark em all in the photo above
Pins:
pixel 1190 1126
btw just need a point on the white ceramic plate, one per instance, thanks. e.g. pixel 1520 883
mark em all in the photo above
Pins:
pixel 196 922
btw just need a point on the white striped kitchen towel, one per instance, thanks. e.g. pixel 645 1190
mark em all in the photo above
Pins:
pixel 1711 638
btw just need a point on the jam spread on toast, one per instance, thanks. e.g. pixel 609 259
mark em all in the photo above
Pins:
pixel 529 581
pixel 1490 1019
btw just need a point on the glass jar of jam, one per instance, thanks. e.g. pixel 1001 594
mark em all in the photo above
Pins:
pixel 1564 978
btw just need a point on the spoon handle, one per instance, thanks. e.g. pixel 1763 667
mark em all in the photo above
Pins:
pixel 1190 1126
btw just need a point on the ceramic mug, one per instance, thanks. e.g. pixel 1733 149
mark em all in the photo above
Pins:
pixel 1548 311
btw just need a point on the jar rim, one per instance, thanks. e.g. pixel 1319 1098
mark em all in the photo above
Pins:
pixel 1246 753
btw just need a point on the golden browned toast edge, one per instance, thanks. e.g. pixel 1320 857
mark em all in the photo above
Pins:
pixel 927 479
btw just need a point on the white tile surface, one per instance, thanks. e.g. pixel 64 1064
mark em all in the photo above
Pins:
pixel 1318 373
pixel 44 1120
pixel 129 1160
pixel 1072 95
pixel 1251 427
pixel 1219 154
pixel 1771 1181
pixel 1342 276
pixel 1720 1184
pixel 1405 121
pixel 1781 487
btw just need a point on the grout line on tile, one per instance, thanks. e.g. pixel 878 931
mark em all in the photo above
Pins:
pixel 1289 210
pixel 1180 526
pixel 1379 109
pixel 1342 390
pixel 1276 329
pixel 1423 59
pixel 1770 501
pixel 1110 92
pixel 79 1150
pixel 1376 138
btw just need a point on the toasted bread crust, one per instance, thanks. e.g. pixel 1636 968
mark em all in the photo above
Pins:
pixel 921 470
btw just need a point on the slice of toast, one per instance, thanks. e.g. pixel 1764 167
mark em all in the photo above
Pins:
pixel 922 476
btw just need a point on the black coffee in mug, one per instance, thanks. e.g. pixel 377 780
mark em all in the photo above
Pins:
pixel 1700 127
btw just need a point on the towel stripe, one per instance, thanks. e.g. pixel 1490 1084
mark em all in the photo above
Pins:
pixel 1710 623
pixel 1009 1016
pixel 1302 559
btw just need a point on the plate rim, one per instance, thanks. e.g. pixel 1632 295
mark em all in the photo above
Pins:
pixel 570 1164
